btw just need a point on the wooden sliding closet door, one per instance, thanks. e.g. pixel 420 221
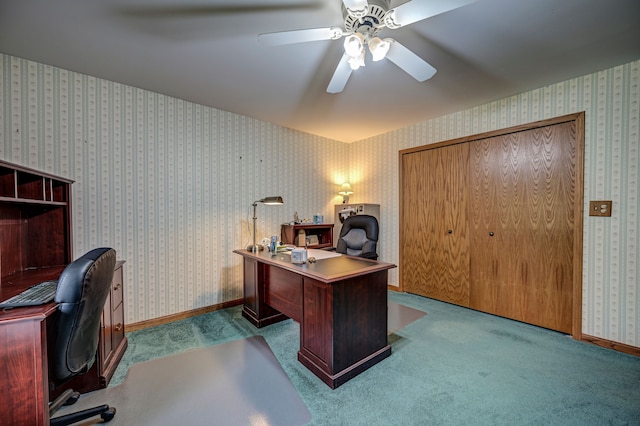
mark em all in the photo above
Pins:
pixel 522 225
pixel 494 222
pixel 434 227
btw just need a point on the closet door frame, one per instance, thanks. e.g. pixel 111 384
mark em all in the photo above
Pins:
pixel 578 205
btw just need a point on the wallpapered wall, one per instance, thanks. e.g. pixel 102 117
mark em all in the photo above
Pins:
pixel 611 256
pixel 169 183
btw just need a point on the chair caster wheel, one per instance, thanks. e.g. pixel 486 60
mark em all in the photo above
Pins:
pixel 107 416
pixel 73 398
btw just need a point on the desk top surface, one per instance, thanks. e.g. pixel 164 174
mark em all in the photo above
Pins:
pixel 328 270
pixel 16 283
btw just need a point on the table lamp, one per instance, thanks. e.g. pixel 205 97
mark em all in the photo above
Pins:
pixel 345 191
pixel 270 201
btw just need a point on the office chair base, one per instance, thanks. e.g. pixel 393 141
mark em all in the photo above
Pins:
pixel 106 413
pixel 70 397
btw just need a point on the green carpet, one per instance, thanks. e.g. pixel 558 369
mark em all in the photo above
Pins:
pixel 453 366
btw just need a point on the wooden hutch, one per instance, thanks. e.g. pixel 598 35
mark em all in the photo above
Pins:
pixel 36 245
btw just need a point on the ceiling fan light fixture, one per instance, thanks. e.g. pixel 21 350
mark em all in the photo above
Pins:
pixel 354 45
pixel 357 61
pixel 379 48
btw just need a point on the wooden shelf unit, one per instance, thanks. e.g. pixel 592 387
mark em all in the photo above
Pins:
pixel 324 232
pixel 35 220
pixel 20 184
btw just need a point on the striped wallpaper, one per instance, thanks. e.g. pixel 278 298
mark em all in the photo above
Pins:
pixel 169 184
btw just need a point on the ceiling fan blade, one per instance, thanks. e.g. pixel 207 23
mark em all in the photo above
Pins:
pixel 191 10
pixel 356 8
pixel 340 76
pixel 300 36
pixel 411 63
pixel 417 10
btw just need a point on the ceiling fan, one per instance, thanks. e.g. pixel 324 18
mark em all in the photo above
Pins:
pixel 363 20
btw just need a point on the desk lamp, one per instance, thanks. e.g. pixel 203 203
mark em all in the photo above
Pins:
pixel 270 201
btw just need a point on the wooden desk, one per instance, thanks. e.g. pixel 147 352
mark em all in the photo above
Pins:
pixel 24 370
pixel 24 394
pixel 340 303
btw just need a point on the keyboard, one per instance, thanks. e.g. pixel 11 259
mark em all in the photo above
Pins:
pixel 38 294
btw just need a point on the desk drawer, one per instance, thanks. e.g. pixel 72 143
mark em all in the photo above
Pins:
pixel 283 291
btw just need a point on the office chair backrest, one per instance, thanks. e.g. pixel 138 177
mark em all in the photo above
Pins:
pixel 81 294
pixel 359 236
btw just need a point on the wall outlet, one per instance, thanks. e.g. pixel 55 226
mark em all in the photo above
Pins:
pixel 600 208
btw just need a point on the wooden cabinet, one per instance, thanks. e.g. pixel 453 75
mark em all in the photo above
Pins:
pixel 35 245
pixel 321 234
pixel 494 222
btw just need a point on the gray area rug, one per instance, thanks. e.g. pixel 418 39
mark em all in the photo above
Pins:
pixel 235 383
pixel 400 316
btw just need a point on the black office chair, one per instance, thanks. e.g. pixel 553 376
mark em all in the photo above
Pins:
pixel 81 294
pixel 359 237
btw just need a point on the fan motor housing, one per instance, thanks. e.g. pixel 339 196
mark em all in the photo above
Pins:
pixel 371 23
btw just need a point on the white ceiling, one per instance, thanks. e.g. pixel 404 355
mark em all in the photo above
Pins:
pixel 207 51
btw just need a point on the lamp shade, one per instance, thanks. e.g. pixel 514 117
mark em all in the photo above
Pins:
pixel 379 48
pixel 357 61
pixel 272 201
pixel 345 189
pixel 354 45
